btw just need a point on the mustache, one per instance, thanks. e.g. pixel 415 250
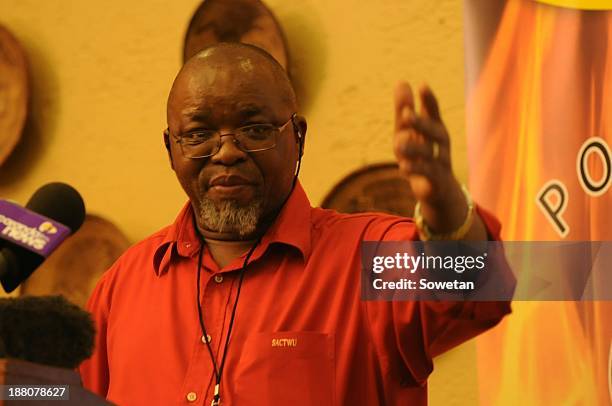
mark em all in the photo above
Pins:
pixel 241 174
pixel 230 179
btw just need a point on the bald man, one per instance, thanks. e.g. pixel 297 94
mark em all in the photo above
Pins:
pixel 251 296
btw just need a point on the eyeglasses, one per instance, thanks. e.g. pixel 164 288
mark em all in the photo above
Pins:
pixel 250 138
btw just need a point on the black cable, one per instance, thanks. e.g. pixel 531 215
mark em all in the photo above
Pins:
pixel 219 371
pixel 300 152
pixel 202 327
pixel 231 324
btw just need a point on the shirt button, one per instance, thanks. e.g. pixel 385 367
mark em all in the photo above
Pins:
pixel 187 245
pixel 218 278
pixel 206 339
pixel 191 396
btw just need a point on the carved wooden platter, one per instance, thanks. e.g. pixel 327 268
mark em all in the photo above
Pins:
pixel 246 21
pixel 75 267
pixel 378 187
pixel 14 92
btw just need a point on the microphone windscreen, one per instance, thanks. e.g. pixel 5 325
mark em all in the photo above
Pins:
pixel 45 330
pixel 60 202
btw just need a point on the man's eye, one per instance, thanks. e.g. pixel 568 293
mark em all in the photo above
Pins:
pixel 258 132
pixel 198 137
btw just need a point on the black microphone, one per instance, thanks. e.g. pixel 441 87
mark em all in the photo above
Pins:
pixel 57 201
pixel 46 330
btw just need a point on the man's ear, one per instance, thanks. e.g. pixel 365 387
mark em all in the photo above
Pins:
pixel 299 127
pixel 167 144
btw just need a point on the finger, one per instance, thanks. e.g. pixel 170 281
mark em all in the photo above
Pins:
pixel 404 105
pixel 403 137
pixel 421 186
pixel 429 104
pixel 431 130
pixel 417 167
pixel 411 148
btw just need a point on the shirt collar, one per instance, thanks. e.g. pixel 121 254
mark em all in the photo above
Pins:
pixel 291 227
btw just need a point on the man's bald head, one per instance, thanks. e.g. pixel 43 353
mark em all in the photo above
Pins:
pixel 225 88
pixel 236 59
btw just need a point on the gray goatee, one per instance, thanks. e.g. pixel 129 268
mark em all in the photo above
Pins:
pixel 230 217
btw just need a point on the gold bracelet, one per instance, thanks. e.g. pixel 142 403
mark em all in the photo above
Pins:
pixel 426 233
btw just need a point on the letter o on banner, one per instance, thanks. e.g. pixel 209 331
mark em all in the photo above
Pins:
pixel 598 146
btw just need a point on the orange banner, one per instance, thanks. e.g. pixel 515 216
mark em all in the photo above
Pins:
pixel 539 135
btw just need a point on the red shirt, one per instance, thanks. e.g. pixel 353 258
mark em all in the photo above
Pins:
pixel 302 334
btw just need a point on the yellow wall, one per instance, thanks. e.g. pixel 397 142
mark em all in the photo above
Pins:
pixel 101 72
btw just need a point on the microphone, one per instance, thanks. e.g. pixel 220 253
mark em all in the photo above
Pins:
pixel 42 340
pixel 45 330
pixel 25 248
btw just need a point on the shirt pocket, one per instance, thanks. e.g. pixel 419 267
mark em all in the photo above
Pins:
pixel 287 368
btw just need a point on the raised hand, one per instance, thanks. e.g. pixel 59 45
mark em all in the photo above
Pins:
pixel 422 149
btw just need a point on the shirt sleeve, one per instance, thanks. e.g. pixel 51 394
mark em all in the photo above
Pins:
pixel 407 335
pixel 94 370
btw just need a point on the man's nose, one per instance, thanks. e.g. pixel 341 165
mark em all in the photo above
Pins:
pixel 229 153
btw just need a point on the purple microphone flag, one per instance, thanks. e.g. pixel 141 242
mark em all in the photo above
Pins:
pixel 30 230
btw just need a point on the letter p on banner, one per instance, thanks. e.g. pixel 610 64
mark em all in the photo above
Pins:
pixel 553 209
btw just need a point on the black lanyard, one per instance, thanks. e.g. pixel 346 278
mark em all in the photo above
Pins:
pixel 219 370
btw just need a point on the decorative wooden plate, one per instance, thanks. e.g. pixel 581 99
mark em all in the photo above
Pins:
pixel 74 269
pixel 377 187
pixel 14 92
pixel 246 21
